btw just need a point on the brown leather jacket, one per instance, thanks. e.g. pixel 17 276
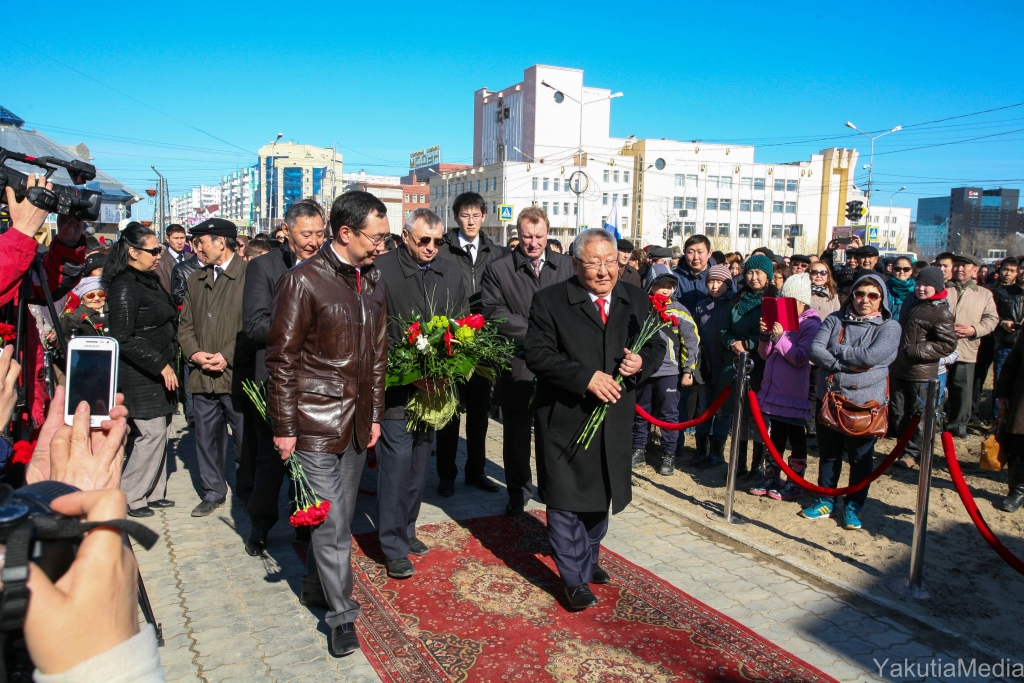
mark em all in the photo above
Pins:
pixel 327 353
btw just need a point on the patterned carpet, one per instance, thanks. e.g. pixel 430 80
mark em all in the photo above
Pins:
pixel 486 604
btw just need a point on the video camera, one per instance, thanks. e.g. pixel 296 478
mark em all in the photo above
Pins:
pixel 65 200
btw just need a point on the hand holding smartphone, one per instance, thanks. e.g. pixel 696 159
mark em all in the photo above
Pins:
pixel 91 377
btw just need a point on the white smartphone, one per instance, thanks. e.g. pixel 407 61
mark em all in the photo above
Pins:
pixel 91 377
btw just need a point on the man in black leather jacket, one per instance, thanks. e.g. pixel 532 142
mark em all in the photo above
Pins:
pixel 179 286
pixel 1010 305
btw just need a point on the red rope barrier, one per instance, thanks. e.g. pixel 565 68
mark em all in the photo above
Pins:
pixel 676 426
pixel 972 508
pixel 755 410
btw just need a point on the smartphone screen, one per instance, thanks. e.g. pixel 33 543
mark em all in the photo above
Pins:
pixel 89 380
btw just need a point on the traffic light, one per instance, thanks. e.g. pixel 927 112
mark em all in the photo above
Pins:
pixel 792 242
pixel 854 210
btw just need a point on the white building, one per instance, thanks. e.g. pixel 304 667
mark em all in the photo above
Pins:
pixel 196 205
pixel 237 193
pixel 664 189
pixel 893 226
pixel 290 172
pixel 351 181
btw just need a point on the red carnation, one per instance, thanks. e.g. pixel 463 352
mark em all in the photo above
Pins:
pixel 413 332
pixel 72 302
pixel 22 454
pixel 473 322
pixel 448 341
pixel 85 316
pixel 99 327
pixel 7 332
pixel 311 516
pixel 659 302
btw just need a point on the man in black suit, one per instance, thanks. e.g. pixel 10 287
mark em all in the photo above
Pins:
pixel 577 341
pixel 506 293
pixel 415 281
pixel 304 233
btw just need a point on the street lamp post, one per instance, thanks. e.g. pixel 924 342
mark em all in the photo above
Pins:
pixel 890 204
pixel 871 162
pixel 559 97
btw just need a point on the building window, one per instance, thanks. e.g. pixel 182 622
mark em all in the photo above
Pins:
pixel 606 175
pixel 604 199
pixel 691 203
pixel 791 185
pixel 494 207
pixel 726 182
pixel 615 176
pixel 744 230
pixel 746 182
pixel 554 209
pixel 725 204
pixel 709 229
pixel 565 208
pixel 615 198
pixel 790 207
pixel 780 184
pixel 744 205
pixel 535 182
pixel 406 197
pixel 758 183
pixel 625 224
pixel 755 231
pixel 723 229
pixel 691 180
pixel 712 181
pixel 318 180
pixel 545 205
pixel 689 228
pixel 292 186
pixel 546 183
pixel 776 232
pixel 758 205
pixel 677 202
pixel 625 176
pixel 487 184
pixel 712 204
pixel 407 212
pixel 575 208
pixel 625 200
pixel 776 207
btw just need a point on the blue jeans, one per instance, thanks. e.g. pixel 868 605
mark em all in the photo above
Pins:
pixel 718 426
pixel 658 396
pixel 832 447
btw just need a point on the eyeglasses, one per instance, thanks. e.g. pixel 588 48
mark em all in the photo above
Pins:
pixel 596 267
pixel 474 216
pixel 425 241
pixel 375 241
pixel 155 251
pixel 904 269
pixel 860 295
pixel 94 296
pixel 823 273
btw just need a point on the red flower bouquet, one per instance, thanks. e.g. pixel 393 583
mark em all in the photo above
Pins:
pixel 8 333
pixel 71 303
pixel 22 454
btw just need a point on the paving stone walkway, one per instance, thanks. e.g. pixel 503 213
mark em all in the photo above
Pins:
pixel 227 616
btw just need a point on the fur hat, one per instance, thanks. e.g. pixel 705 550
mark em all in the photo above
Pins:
pixel 798 287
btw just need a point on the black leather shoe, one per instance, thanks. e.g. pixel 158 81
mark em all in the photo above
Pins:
pixel 256 543
pixel 483 483
pixel 162 504
pixel 144 511
pixel 400 569
pixel 580 597
pixel 446 488
pixel 516 505
pixel 418 547
pixel 1011 503
pixel 598 575
pixel 639 457
pixel 205 508
pixel 343 640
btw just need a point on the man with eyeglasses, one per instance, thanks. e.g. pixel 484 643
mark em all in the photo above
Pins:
pixel 576 344
pixel 304 234
pixel 507 293
pixel 471 250
pixel 327 360
pixel 415 282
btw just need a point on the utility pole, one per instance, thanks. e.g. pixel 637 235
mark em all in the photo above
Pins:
pixel 161 188
pixel 871 162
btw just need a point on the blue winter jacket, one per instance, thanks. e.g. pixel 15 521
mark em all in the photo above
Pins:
pixel 693 287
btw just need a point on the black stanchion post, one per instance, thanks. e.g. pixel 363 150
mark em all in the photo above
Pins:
pixel 911 586
pixel 743 365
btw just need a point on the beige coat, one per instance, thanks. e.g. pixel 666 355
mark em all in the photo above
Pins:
pixel 973 305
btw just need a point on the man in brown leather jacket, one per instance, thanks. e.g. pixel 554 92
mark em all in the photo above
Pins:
pixel 326 357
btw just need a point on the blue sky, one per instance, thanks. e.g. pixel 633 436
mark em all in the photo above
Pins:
pixel 382 80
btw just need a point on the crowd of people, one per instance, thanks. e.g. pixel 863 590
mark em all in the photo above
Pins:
pixel 311 311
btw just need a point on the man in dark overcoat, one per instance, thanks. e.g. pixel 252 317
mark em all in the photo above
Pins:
pixel 507 291
pixel 578 340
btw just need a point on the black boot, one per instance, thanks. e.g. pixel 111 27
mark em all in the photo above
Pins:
pixel 702 451
pixel 639 457
pixel 668 463
pixel 1013 502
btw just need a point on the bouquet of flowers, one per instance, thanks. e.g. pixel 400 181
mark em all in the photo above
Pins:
pixel 7 334
pixel 658 318
pixel 444 351
pixel 309 509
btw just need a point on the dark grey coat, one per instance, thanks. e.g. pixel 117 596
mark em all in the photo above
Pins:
pixel 566 343
pixel 261 278
pixel 507 292
pixel 472 269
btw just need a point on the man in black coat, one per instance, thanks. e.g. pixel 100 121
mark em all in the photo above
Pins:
pixel 415 281
pixel 471 250
pixel 578 340
pixel 304 233
pixel 179 288
pixel 507 291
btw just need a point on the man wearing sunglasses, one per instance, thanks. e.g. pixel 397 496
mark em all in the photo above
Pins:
pixel 471 250
pixel 415 282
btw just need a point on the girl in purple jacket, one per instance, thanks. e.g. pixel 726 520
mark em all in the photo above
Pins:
pixel 785 388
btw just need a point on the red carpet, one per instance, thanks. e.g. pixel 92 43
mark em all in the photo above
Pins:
pixel 486 604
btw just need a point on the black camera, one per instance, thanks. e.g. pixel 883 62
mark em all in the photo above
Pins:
pixel 29 503
pixel 65 200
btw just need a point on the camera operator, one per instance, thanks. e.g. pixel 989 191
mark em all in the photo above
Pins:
pixel 62 266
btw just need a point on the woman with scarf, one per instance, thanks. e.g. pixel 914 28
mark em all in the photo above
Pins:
pixel 742 332
pixel 901 284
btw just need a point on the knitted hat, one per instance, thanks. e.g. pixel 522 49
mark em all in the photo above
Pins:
pixel 760 262
pixel 932 277
pixel 86 285
pixel 720 273
pixel 798 287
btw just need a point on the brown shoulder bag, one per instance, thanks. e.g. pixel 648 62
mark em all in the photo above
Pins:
pixel 843 415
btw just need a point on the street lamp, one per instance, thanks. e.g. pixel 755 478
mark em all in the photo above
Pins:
pixel 559 98
pixel 890 203
pixel 871 161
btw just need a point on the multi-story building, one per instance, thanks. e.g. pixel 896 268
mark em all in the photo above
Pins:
pixel 888 228
pixel 290 172
pixel 932 227
pixel 393 198
pixel 352 181
pixel 546 141
pixel 982 222
pixel 196 205
pixel 237 192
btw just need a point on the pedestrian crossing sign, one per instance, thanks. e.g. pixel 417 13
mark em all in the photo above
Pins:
pixel 505 213
pixel 872 233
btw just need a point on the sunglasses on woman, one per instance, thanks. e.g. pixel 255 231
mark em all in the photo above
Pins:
pixel 904 269
pixel 823 273
pixel 860 295
pixel 155 251
pixel 94 296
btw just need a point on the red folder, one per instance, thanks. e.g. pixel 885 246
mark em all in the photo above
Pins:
pixel 782 311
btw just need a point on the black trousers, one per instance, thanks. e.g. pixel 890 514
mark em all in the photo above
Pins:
pixel 960 384
pixel 981 367
pixel 213 414
pixel 516 447
pixel 906 400
pixel 247 458
pixel 575 539
pixel 269 472
pixel 796 435
pixel 403 458
pixel 475 396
